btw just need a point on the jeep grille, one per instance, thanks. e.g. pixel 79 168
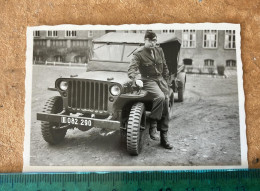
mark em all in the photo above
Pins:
pixel 88 96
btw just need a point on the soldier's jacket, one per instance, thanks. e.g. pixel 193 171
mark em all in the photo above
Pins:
pixel 148 66
pixel 151 69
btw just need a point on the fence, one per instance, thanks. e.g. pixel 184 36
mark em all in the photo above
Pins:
pixel 59 63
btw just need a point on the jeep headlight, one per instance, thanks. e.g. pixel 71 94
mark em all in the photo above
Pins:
pixel 63 85
pixel 115 90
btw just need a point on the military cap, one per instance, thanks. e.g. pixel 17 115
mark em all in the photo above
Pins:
pixel 150 35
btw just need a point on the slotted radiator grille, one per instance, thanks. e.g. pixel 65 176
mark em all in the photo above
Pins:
pixel 88 95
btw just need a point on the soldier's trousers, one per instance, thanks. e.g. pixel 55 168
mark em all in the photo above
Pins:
pixel 160 109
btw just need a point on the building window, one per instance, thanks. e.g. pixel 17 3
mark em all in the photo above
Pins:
pixel 78 59
pixel 59 43
pixel 40 42
pixel 58 58
pixel 52 33
pixel 208 62
pixel 231 63
pixel 36 33
pixel 187 61
pixel 167 31
pixel 71 33
pixel 130 31
pixel 210 39
pixel 189 39
pixel 37 58
pixel 79 43
pixel 90 33
pixel 230 39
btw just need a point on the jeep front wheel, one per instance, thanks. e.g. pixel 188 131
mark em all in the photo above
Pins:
pixel 51 135
pixel 136 123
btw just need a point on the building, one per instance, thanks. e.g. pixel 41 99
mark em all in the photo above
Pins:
pixel 208 48
pixel 63 46
pixel 200 48
pixel 203 48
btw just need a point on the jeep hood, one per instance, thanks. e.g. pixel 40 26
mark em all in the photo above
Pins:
pixel 106 71
pixel 108 76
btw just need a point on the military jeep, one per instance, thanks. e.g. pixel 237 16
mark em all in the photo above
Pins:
pixel 104 96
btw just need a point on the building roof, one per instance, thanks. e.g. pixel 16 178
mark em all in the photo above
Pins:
pixel 134 38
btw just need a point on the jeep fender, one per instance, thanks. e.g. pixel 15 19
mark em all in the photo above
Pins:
pixel 134 95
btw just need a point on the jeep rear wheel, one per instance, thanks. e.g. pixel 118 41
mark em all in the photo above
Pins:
pixel 50 134
pixel 171 102
pixel 136 123
pixel 181 86
pixel 180 94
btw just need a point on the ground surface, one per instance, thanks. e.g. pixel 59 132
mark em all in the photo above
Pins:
pixel 204 129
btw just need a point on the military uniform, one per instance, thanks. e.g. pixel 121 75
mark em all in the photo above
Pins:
pixel 154 73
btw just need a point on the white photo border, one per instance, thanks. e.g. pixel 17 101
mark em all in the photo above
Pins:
pixel 157 26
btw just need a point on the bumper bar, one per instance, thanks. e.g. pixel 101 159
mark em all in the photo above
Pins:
pixel 100 123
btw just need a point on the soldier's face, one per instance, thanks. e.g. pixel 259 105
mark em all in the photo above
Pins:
pixel 150 43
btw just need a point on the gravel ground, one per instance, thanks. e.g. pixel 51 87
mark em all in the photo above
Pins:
pixel 204 129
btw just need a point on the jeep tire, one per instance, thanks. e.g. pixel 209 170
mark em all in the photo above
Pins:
pixel 171 102
pixel 137 118
pixel 181 86
pixel 180 94
pixel 52 136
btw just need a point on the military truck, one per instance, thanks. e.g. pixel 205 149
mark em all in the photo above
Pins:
pixel 103 96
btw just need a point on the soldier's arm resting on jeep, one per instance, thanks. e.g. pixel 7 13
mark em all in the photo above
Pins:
pixel 133 69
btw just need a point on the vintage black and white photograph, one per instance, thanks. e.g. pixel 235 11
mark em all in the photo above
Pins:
pixel 160 96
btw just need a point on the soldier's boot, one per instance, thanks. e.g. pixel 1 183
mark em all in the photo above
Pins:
pixel 164 140
pixel 152 131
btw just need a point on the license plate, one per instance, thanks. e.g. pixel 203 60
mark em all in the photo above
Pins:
pixel 77 121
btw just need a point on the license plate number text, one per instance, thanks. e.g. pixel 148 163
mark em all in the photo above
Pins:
pixel 76 121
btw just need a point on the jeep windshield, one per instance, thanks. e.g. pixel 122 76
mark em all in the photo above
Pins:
pixel 113 52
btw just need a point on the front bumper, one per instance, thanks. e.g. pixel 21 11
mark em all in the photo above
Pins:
pixel 100 123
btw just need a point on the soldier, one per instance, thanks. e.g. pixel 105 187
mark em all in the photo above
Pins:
pixel 150 62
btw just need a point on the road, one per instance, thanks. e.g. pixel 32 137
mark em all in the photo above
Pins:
pixel 204 129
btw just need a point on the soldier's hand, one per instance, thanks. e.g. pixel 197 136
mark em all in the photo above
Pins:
pixel 139 83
